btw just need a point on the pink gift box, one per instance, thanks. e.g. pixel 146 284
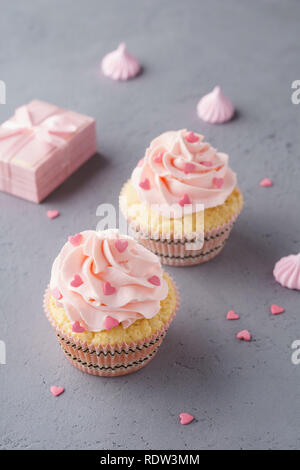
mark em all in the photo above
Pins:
pixel 40 146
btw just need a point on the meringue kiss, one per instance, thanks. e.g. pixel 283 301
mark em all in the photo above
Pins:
pixel 119 64
pixel 215 107
pixel 287 271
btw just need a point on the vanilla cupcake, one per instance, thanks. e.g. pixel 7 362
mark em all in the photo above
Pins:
pixel 109 302
pixel 182 199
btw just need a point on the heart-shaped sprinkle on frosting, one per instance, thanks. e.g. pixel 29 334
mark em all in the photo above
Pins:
pixel 145 184
pixel 77 328
pixel 56 293
pixel 189 167
pixel 158 158
pixel 184 200
pixel 108 289
pixel 110 323
pixel 75 240
pixel 77 281
pixel 154 280
pixel 218 182
pixel 121 245
pixel 191 137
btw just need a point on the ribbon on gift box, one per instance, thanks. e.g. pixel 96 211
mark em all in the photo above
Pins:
pixel 27 138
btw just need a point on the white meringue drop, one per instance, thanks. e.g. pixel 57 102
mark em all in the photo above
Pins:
pixel 287 271
pixel 119 64
pixel 215 107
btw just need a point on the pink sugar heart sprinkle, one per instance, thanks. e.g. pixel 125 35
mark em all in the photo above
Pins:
pixel 232 315
pixel 145 184
pixel 52 214
pixel 77 328
pixel 266 183
pixel 207 164
pixel 184 200
pixel 276 309
pixel 154 280
pixel 108 289
pixel 189 167
pixel 218 182
pixel 191 137
pixel 121 245
pixel 186 418
pixel 75 240
pixel 158 158
pixel 56 391
pixel 56 293
pixel 244 335
pixel 110 323
pixel 77 281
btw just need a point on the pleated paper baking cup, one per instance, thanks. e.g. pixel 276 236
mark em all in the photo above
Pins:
pixel 109 360
pixel 184 252
pixel 192 249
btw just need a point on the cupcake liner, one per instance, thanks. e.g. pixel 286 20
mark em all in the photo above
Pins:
pixel 109 360
pixel 183 252
pixel 174 252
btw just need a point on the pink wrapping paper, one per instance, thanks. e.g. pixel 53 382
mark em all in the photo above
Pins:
pixel 110 361
pixel 40 146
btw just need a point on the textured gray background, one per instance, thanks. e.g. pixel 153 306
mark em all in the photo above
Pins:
pixel 244 395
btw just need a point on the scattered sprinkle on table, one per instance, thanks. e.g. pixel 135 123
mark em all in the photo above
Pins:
pixel 232 315
pixel 186 418
pixel 56 391
pixel 276 309
pixel 244 335
pixel 266 183
pixel 52 214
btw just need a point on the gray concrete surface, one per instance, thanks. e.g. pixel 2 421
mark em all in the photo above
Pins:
pixel 244 395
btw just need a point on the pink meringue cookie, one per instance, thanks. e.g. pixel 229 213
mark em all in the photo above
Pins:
pixel 112 286
pixel 120 65
pixel 287 271
pixel 215 107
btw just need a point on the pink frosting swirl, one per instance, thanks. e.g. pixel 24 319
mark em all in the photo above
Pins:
pixel 103 279
pixel 180 168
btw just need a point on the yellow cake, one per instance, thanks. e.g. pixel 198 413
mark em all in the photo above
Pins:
pixel 140 214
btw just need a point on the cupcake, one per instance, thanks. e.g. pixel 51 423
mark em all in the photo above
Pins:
pixel 109 303
pixel 182 199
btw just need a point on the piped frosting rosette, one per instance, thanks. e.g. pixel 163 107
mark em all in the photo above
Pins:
pixel 103 279
pixel 180 172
